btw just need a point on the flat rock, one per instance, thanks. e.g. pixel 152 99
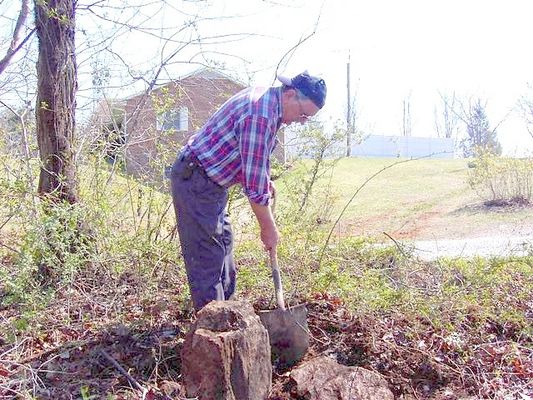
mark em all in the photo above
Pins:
pixel 322 378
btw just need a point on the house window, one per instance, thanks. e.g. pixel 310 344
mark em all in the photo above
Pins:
pixel 173 119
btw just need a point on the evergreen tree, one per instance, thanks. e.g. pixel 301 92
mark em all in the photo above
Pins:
pixel 481 139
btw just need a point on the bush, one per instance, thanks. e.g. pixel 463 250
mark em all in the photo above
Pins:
pixel 503 181
pixel 53 249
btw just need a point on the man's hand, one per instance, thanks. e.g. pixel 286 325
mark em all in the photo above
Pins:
pixel 270 238
pixel 272 189
pixel 269 231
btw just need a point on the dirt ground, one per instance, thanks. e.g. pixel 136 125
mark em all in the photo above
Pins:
pixel 97 357
pixel 447 222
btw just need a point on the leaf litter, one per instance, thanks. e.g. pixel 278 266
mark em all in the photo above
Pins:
pixel 128 348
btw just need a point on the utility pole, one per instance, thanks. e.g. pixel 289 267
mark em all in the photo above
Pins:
pixel 348 111
pixel 406 123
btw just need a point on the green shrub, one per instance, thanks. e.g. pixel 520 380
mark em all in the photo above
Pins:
pixel 54 248
pixel 505 180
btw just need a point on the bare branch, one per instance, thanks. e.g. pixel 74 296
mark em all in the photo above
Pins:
pixel 460 115
pixel 449 126
pixel 289 53
pixel 525 105
pixel 16 42
pixel 136 384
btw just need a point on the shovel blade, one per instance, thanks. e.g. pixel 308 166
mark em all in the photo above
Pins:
pixel 288 333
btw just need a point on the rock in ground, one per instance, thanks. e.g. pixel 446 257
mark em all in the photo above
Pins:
pixel 322 378
pixel 226 354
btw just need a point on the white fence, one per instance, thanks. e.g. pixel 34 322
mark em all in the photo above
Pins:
pixel 405 147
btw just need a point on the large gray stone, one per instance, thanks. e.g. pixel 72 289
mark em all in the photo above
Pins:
pixel 226 354
pixel 322 378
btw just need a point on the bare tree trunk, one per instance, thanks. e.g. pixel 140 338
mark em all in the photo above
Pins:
pixel 348 112
pixel 406 121
pixel 56 91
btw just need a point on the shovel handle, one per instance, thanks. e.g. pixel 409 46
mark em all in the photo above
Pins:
pixel 277 279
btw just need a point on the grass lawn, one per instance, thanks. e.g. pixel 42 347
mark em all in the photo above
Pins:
pixel 428 198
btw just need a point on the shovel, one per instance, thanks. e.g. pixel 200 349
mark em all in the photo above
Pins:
pixel 287 327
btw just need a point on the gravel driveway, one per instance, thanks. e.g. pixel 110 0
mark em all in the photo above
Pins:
pixel 481 246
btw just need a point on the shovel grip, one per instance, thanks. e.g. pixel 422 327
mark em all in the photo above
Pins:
pixel 276 277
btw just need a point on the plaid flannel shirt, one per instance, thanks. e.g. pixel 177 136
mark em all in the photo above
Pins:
pixel 235 144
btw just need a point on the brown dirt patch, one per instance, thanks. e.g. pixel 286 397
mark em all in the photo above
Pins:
pixel 447 222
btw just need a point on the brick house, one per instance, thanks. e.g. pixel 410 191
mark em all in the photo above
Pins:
pixel 151 128
pixel 155 126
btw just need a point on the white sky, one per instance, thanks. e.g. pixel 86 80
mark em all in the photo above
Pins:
pixel 417 48
pixel 410 49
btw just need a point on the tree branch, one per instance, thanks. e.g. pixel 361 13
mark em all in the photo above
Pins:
pixel 16 43
pixel 136 384
pixel 291 51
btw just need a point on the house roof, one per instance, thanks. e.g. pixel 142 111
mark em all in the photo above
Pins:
pixel 115 108
pixel 203 73
pixel 208 73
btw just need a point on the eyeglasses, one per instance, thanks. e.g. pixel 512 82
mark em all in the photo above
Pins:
pixel 320 85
